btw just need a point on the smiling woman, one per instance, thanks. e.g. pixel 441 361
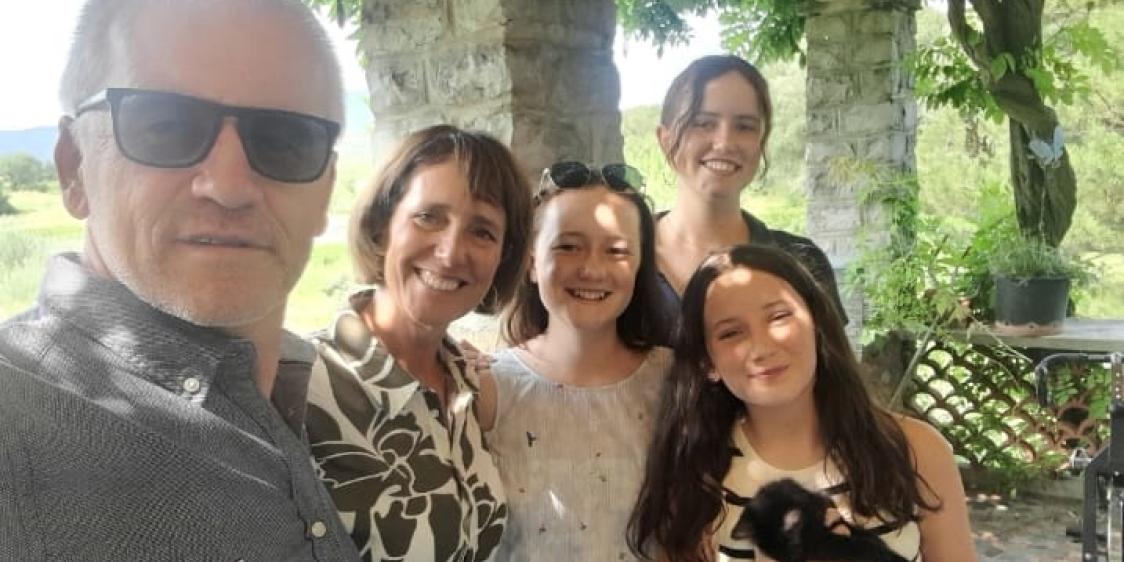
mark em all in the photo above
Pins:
pixel 441 230
pixel 714 130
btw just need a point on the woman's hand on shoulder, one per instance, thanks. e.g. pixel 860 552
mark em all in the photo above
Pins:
pixel 946 535
pixel 481 363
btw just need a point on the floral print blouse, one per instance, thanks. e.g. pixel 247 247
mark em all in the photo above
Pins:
pixel 409 482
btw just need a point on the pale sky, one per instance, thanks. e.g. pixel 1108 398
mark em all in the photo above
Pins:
pixel 35 37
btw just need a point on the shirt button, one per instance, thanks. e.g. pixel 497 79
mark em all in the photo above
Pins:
pixel 318 529
pixel 191 385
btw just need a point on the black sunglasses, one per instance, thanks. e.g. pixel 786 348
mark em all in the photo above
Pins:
pixel 166 130
pixel 570 175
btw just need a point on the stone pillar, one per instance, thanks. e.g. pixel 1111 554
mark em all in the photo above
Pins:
pixel 860 106
pixel 538 75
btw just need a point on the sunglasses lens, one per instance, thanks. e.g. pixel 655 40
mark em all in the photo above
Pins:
pixel 284 146
pixel 162 130
pixel 570 174
pixel 172 131
pixel 622 176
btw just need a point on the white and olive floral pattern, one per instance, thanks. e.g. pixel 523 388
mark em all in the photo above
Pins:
pixel 410 482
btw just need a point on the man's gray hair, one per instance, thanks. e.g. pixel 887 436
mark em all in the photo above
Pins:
pixel 90 64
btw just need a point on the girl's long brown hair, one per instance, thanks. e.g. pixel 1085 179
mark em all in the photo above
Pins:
pixel 681 500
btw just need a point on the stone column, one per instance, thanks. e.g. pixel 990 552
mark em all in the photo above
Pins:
pixel 860 107
pixel 539 75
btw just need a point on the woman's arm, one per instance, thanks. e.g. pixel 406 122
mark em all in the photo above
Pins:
pixel 945 533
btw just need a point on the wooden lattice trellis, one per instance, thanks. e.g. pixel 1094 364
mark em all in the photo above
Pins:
pixel 982 399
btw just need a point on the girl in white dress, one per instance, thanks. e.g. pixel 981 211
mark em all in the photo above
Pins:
pixel 578 390
pixel 765 386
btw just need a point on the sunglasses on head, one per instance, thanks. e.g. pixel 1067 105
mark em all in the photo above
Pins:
pixel 570 175
pixel 166 130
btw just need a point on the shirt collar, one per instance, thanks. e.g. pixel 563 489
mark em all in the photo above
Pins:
pixel 353 347
pixel 170 352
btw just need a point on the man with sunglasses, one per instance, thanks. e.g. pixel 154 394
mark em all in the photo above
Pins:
pixel 151 406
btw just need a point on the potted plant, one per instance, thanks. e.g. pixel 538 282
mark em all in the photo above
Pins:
pixel 1032 285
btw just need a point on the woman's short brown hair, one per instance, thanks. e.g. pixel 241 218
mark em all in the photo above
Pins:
pixel 493 177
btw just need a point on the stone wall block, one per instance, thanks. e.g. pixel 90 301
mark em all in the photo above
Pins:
pixel 399 36
pixel 882 84
pixel 378 11
pixel 524 12
pixel 909 120
pixel 826 60
pixel 389 131
pixel 584 82
pixel 828 29
pixel 822 184
pixel 529 143
pixel 487 118
pixel 828 89
pixel 843 249
pixel 835 216
pixel 469 76
pixel 891 149
pixel 596 16
pixel 819 152
pixel 875 50
pixel 823 121
pixel 396 84
pixel 862 119
pixel 606 141
pixel 531 77
pixel 569 138
pixel 471 16
pixel 877 21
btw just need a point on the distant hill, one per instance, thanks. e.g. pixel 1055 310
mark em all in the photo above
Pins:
pixel 38 142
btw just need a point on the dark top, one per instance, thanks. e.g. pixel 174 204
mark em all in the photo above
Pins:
pixel 128 434
pixel 759 233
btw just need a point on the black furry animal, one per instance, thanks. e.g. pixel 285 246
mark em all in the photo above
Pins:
pixel 787 522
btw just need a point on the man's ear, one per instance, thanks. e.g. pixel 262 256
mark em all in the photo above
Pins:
pixel 331 172
pixel 68 164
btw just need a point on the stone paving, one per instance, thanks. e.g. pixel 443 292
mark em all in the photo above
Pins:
pixel 1029 529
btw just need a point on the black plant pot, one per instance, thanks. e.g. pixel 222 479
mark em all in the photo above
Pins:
pixel 1030 307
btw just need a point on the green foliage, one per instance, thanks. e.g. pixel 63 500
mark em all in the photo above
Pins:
pixel 1022 257
pixel 660 22
pixel 21 171
pixel 946 78
pixel 911 274
pixel 759 30
pixel 763 30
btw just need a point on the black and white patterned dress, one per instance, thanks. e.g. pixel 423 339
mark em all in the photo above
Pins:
pixel 408 485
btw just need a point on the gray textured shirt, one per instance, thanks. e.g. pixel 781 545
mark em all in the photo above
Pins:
pixel 128 434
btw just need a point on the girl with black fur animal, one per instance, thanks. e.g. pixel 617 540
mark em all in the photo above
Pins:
pixel 764 387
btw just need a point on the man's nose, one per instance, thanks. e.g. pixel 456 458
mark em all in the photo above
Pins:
pixel 225 176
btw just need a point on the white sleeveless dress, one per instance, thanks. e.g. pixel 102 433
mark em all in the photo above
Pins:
pixel 748 472
pixel 571 459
